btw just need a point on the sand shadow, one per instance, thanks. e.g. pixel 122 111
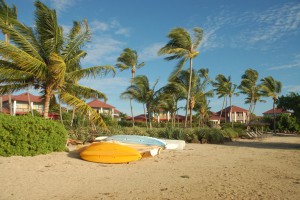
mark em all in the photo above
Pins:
pixel 259 143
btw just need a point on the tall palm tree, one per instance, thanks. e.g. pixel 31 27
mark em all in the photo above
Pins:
pixel 271 88
pixel 129 59
pixel 183 47
pixel 169 96
pixel 201 95
pixel 181 81
pixel 231 92
pixel 141 92
pixel 41 57
pixel 5 14
pixel 251 89
pixel 221 85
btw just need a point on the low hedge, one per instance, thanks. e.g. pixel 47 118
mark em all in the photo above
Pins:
pixel 29 136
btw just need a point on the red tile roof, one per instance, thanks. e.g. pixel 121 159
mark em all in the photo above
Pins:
pixel 234 109
pixel 23 97
pixel 99 104
pixel 277 111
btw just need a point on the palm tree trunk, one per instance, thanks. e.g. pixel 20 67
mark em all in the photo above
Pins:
pixel 225 110
pixel 230 112
pixel 130 100
pixel 60 113
pixel 73 116
pixel 29 103
pixel 47 102
pixel 274 118
pixel 9 102
pixel 222 109
pixel 145 115
pixel 188 95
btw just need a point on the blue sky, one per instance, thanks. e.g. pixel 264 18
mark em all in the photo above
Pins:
pixel 262 35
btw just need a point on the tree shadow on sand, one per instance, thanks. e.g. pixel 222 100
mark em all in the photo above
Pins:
pixel 261 144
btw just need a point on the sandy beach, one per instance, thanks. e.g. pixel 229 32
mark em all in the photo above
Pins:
pixel 265 168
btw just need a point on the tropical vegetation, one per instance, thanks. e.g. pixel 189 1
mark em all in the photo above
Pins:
pixel 46 59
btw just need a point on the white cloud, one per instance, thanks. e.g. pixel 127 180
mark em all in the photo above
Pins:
pixel 103 50
pixel 62 5
pixel 113 26
pixel 292 88
pixel 294 64
pixel 150 53
pixel 275 23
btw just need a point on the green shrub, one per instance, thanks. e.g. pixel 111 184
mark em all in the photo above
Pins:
pixel 213 136
pixel 29 136
pixel 230 133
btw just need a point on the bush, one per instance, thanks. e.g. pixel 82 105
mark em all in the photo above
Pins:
pixel 230 133
pixel 212 135
pixel 29 136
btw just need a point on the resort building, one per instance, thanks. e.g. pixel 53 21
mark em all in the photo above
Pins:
pixel 102 107
pixel 22 104
pixel 237 114
pixel 278 112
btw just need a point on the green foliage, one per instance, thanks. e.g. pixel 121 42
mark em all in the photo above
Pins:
pixel 283 123
pixel 211 135
pixel 287 123
pixel 29 136
pixel 291 102
pixel 230 133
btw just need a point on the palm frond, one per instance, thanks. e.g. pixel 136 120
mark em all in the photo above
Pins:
pixel 84 92
pixel 90 72
pixel 82 107
pixel 25 61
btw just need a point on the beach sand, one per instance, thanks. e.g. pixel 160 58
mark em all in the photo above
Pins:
pixel 265 168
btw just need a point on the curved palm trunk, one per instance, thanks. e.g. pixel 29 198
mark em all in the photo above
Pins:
pixel 274 118
pixel 222 109
pixel 188 96
pixel 230 114
pixel 73 116
pixel 130 100
pixel 47 102
pixel 225 109
pixel 29 103
pixel 146 117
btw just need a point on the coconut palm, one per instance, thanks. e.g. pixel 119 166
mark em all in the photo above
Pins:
pixel 43 58
pixel 231 92
pixel 5 14
pixel 181 81
pixel 222 85
pixel 169 96
pixel 183 47
pixel 141 92
pixel 271 88
pixel 251 89
pixel 201 95
pixel 129 59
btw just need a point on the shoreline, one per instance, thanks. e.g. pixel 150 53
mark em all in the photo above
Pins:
pixel 264 168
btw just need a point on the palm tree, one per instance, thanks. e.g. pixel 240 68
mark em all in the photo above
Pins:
pixel 141 92
pixel 250 88
pixel 5 14
pixel 169 96
pixel 201 95
pixel 222 85
pixel 42 58
pixel 231 92
pixel 181 46
pixel 129 59
pixel 271 88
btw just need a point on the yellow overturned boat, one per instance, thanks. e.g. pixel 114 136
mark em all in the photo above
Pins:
pixel 107 152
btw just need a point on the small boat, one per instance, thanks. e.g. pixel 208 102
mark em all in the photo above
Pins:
pixel 108 152
pixel 174 144
pixel 145 150
pixel 137 139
